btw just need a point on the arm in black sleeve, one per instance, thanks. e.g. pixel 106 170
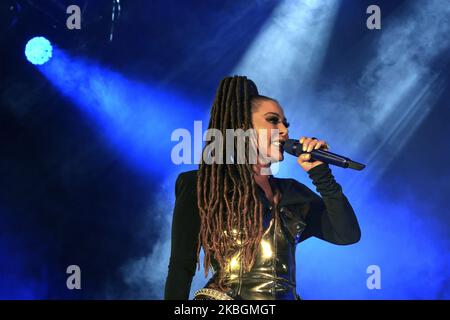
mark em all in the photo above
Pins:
pixel 184 239
pixel 330 217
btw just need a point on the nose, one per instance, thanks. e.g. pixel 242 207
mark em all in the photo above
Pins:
pixel 284 132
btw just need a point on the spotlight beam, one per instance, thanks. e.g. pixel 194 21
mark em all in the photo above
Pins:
pixel 136 119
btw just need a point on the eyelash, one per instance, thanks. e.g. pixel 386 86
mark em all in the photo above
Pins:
pixel 275 120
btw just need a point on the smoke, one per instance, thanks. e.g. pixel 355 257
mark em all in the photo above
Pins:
pixel 393 93
pixel 145 276
pixel 291 45
pixel 400 233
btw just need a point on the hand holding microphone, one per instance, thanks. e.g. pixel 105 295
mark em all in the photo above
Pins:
pixel 312 152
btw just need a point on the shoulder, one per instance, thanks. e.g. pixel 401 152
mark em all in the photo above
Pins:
pixel 290 183
pixel 185 215
pixel 187 176
pixel 295 192
pixel 186 181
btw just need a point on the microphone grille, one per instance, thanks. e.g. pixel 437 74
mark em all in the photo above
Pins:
pixel 290 146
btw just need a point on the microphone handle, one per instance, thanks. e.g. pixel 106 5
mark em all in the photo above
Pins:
pixel 330 158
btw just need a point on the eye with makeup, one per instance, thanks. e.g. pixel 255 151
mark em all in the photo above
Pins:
pixel 275 120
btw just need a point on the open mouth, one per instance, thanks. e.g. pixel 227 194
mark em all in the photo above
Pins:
pixel 279 144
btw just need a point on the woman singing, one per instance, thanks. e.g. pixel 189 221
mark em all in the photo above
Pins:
pixel 249 222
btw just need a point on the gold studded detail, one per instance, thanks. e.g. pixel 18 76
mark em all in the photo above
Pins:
pixel 211 293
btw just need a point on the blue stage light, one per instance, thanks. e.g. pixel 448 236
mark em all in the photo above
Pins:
pixel 38 50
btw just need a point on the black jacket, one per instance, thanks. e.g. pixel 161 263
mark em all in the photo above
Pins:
pixel 329 217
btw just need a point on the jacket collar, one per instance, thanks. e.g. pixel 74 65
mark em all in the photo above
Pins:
pixel 292 192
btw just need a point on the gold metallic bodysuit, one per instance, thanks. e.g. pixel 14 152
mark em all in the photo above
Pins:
pixel 272 276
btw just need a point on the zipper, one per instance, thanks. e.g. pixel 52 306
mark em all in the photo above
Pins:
pixel 274 261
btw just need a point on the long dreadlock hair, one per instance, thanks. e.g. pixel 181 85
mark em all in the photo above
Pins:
pixel 227 193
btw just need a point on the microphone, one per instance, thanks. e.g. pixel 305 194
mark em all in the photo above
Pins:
pixel 294 147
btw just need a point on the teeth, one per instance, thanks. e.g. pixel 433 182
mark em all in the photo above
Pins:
pixel 277 144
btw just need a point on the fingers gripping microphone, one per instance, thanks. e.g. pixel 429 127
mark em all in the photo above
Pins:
pixel 294 147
